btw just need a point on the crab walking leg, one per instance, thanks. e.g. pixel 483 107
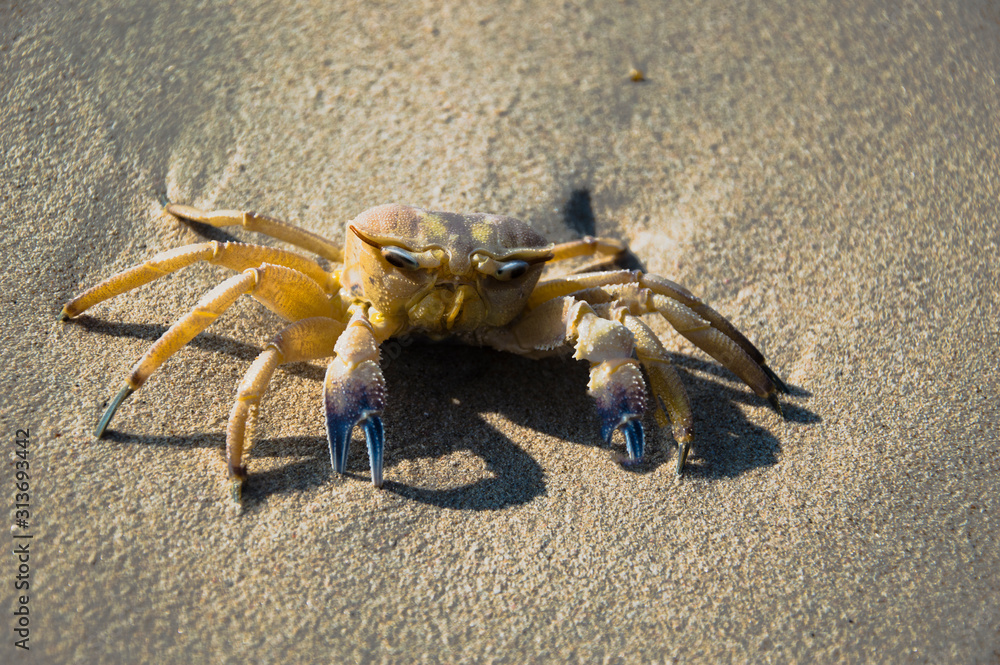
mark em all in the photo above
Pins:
pixel 587 246
pixel 233 255
pixel 251 221
pixel 703 326
pixel 307 339
pixel 354 394
pixel 550 289
pixel 603 252
pixel 675 292
pixel 718 345
pixel 287 292
pixel 691 317
pixel 616 382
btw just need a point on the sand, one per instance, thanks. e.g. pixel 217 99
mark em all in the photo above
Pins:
pixel 826 175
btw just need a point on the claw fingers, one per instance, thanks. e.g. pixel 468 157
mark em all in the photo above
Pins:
pixel 619 391
pixel 775 379
pixel 634 440
pixel 375 438
pixel 338 434
pixel 354 397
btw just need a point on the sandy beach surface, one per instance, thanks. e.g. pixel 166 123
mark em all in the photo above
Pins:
pixel 827 175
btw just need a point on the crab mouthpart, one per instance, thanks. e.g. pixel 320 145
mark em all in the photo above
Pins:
pixel 448 307
pixel 458 299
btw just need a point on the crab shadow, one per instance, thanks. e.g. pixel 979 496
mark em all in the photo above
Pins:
pixel 453 385
pixel 439 394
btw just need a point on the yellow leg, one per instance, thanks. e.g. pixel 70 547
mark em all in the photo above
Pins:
pixel 235 256
pixel 269 226
pixel 287 292
pixel 691 317
pixel 718 344
pixel 563 286
pixel 588 246
pixel 307 339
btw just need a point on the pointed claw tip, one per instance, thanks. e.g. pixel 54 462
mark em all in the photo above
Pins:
pixel 776 380
pixel 339 438
pixel 236 491
pixel 682 453
pixel 102 424
pixel 63 315
pixel 375 437
pixel 634 440
pixel 773 399
pixel 377 473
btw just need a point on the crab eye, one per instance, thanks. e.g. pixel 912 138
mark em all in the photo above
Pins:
pixel 400 258
pixel 511 270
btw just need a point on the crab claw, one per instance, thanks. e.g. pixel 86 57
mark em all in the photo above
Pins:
pixel 619 390
pixel 634 440
pixel 354 396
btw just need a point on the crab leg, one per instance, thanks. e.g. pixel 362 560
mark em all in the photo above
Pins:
pixel 587 246
pixel 354 394
pixel 307 339
pixel 269 226
pixel 286 292
pixel 233 255
pixel 691 317
pixel 604 252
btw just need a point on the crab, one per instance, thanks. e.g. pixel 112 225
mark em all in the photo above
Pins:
pixel 475 277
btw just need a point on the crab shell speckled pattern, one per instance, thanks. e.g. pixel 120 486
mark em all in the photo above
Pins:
pixel 426 300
